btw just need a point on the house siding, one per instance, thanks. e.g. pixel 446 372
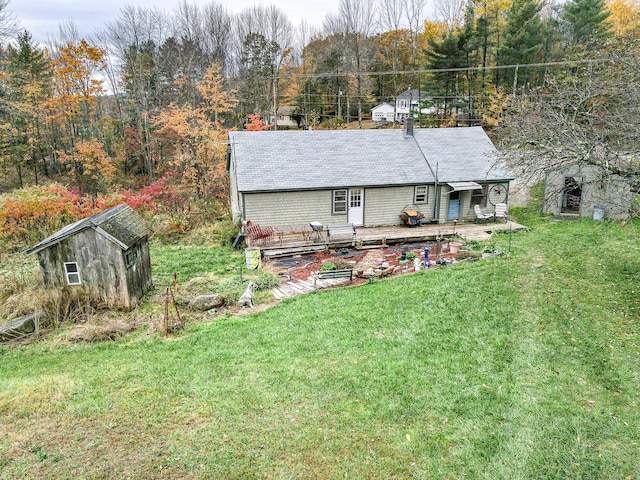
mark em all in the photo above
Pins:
pixel 290 209
pixel 382 206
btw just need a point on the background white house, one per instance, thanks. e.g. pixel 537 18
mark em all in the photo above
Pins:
pixel 385 112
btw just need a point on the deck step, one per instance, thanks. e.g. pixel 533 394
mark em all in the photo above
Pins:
pixel 270 253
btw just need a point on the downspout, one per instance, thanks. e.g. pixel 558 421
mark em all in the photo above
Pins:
pixel 435 174
pixel 436 201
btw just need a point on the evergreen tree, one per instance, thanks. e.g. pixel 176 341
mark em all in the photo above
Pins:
pixel 586 22
pixel 449 89
pixel 24 87
pixel 523 40
pixel 258 67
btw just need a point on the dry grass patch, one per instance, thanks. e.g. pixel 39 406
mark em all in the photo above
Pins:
pixel 100 333
pixel 40 393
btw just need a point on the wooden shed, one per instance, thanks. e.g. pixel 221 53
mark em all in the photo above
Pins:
pixel 106 255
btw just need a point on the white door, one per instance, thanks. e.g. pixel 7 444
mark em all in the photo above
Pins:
pixel 356 207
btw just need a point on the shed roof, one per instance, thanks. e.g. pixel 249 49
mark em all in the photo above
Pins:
pixel 121 224
pixel 324 159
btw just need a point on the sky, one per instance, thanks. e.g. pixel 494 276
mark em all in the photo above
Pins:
pixel 42 17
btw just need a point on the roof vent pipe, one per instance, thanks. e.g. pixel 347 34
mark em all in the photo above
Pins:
pixel 408 127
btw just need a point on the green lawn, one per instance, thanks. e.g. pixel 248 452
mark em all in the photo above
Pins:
pixel 526 366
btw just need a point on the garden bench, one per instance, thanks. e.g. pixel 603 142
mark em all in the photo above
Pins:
pixel 332 274
pixel 342 230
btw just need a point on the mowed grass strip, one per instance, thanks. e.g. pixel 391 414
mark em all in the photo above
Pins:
pixel 519 367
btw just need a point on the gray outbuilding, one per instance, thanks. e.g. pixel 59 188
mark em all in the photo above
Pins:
pixel 587 191
pixel 106 256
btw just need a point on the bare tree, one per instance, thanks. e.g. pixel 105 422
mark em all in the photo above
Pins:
pixel 356 22
pixel 133 39
pixel 586 117
pixel 266 36
pixel 449 12
pixel 217 32
pixel 390 18
pixel 8 23
pixel 391 14
pixel 414 10
pixel 187 22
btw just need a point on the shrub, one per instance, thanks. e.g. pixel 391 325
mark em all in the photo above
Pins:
pixel 332 123
pixel 267 281
pixel 328 266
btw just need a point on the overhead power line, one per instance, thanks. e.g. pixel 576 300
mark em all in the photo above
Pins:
pixel 445 70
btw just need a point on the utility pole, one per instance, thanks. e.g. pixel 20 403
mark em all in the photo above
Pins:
pixel 275 105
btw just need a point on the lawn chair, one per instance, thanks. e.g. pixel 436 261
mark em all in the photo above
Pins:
pixel 481 216
pixel 501 212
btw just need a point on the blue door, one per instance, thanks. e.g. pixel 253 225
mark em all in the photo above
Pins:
pixel 453 210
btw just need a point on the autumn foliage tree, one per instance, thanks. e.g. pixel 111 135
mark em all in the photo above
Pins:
pixel 254 124
pixel 195 140
pixel 76 87
pixel 89 165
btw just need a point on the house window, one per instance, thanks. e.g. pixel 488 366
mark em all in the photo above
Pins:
pixel 130 257
pixel 421 194
pixel 479 197
pixel 72 273
pixel 339 201
pixel 402 104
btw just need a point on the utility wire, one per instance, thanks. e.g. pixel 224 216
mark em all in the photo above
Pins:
pixel 590 61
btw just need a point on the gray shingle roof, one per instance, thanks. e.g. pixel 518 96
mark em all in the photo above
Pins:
pixel 411 94
pixel 462 154
pixel 121 222
pixel 324 159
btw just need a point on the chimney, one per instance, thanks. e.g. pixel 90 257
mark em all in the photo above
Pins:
pixel 408 127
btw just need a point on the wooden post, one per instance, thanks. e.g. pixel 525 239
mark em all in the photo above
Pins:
pixel 166 311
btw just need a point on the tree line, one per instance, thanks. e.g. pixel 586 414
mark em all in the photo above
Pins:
pixel 151 94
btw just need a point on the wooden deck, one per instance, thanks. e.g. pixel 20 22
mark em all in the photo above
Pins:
pixel 295 244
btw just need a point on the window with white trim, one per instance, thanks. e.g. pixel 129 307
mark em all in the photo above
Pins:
pixel 479 196
pixel 421 194
pixel 339 201
pixel 72 272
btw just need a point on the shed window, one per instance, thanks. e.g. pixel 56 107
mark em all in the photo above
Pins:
pixel 130 257
pixel 72 273
pixel 479 197
pixel 421 194
pixel 340 201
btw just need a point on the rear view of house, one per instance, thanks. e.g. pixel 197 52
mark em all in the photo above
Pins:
pixel 106 256
pixel 363 177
